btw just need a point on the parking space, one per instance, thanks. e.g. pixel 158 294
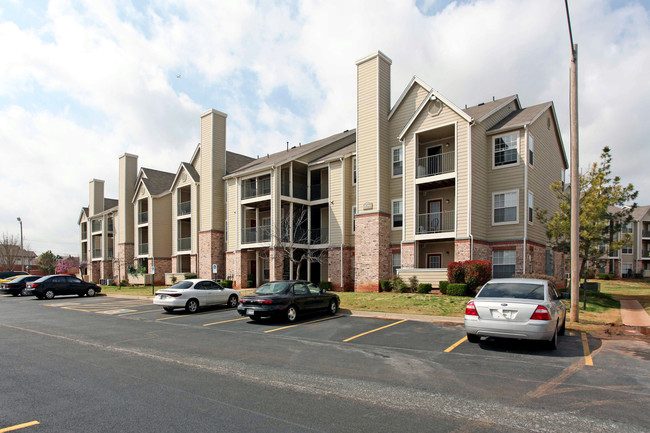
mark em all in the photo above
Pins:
pixel 448 339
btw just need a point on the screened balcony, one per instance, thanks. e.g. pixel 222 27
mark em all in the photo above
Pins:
pixel 256 187
pixel 96 226
pixel 253 235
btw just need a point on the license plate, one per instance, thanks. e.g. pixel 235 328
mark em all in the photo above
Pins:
pixel 163 296
pixel 250 312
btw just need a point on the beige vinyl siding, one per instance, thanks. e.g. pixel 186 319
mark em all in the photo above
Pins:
pixel 174 221
pixel 213 168
pixel 336 216
pixel 233 215
pixel 481 171
pixel 426 122
pixel 367 135
pixel 160 226
pixel 387 142
pixel 350 201
pixel 503 179
pixel 547 169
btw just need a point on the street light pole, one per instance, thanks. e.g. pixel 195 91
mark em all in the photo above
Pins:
pixel 575 178
pixel 22 251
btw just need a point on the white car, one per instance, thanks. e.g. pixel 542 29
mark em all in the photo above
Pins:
pixel 520 308
pixel 192 294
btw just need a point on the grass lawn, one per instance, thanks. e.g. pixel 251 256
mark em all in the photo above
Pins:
pixel 132 290
pixel 435 305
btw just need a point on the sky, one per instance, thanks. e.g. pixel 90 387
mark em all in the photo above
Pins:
pixel 86 81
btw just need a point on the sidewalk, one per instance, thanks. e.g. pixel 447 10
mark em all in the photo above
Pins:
pixel 633 314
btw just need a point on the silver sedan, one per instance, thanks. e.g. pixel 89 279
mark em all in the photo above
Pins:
pixel 519 308
pixel 192 294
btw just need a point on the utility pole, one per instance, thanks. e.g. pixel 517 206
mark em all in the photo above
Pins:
pixel 22 251
pixel 575 178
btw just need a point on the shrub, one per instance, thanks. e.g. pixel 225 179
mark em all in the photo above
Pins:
pixel 456 272
pixel 227 284
pixel 477 273
pixel 326 285
pixel 113 283
pixel 424 288
pixel 174 279
pixel 190 276
pixel 397 284
pixel 456 289
pixel 384 286
pixel 603 276
pixel 443 287
pixel 124 283
pixel 132 270
pixel 249 283
pixel 413 284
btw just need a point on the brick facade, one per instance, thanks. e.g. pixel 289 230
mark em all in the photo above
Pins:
pixel 211 251
pixel 163 266
pixel 238 267
pixel 94 271
pixel 276 264
pixel 125 255
pixel 341 277
pixel 373 261
pixel 408 255
pixel 106 269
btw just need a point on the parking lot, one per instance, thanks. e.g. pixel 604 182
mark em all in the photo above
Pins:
pixel 370 361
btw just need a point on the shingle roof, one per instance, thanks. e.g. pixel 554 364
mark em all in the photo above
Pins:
pixel 235 161
pixel 520 117
pixel 292 154
pixel 480 110
pixel 640 212
pixel 110 203
pixel 191 171
pixel 156 181
pixel 85 210
pixel 343 151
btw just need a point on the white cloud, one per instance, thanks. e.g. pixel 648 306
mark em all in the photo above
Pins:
pixel 98 79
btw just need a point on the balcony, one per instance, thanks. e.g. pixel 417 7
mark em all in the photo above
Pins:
pixel 184 244
pixel 96 226
pixel 109 226
pixel 143 249
pixel 110 253
pixel 285 189
pixel 318 191
pixel 253 235
pixel 97 253
pixel 143 217
pixel 84 257
pixel 257 188
pixel 300 191
pixel 437 222
pixel 645 254
pixel 645 234
pixel 436 164
pixel 318 236
pixel 184 208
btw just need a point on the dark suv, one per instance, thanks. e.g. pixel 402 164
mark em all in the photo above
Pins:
pixel 56 285
pixel 15 287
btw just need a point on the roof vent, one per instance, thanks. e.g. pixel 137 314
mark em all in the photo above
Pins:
pixel 493 99
pixel 482 103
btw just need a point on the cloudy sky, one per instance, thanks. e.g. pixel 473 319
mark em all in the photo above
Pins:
pixel 85 81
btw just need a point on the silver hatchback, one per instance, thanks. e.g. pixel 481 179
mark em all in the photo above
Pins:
pixel 519 308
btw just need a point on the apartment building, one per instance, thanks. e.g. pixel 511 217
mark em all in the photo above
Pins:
pixel 418 184
pixel 635 258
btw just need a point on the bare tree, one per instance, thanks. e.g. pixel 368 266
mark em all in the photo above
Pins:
pixel 292 240
pixel 9 251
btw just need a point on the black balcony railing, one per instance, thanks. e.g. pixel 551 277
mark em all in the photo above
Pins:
pixel 436 222
pixel 252 235
pixel 184 208
pixel 646 234
pixel 257 188
pixel 436 164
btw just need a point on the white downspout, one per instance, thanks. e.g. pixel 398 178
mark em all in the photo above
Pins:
pixel 525 147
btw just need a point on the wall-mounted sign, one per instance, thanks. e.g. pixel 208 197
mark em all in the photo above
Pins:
pixel 367 206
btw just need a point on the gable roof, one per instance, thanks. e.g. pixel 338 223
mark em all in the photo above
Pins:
pixel 235 161
pixel 433 95
pixel 84 212
pixel 110 203
pixel 189 168
pixel 483 110
pixel 640 212
pixel 157 182
pixel 415 80
pixel 344 151
pixel 294 153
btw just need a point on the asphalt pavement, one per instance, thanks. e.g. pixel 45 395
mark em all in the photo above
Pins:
pixel 108 364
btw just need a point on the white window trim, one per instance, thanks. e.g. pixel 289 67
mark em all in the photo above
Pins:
pixel 531 140
pixel 514 164
pixel 516 221
pixel 392 214
pixel 392 161
pixel 354 170
pixel 531 200
pixel 504 264
pixel 627 254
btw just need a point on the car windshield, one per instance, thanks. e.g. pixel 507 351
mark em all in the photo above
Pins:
pixel 272 288
pixel 19 279
pixel 512 290
pixel 182 285
pixel 40 280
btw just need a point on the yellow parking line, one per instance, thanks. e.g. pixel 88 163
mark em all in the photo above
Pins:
pixel 374 330
pixel 299 324
pixel 225 321
pixel 76 309
pixel 585 348
pixel 184 315
pixel 19 426
pixel 140 312
pixel 456 344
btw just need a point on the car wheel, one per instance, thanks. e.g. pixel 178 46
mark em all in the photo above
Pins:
pixel 552 344
pixel 232 301
pixel 49 294
pixel 192 306
pixel 168 309
pixel 90 292
pixel 473 338
pixel 292 313
pixel 333 308
pixel 23 292
pixel 563 327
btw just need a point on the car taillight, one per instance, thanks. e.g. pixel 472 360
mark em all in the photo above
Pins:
pixel 541 313
pixel 33 285
pixel 470 309
pixel 265 301
pixel 174 295
pixel 241 301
